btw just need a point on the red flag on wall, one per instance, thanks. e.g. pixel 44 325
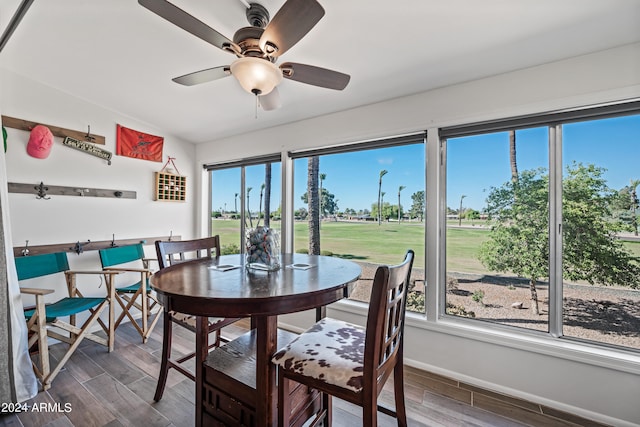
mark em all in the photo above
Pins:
pixel 132 143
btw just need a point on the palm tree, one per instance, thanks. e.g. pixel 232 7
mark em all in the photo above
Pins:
pixel 460 211
pixel 383 172
pixel 402 187
pixel 248 210
pixel 322 176
pixel 260 204
pixel 314 205
pixel 633 185
pixel 512 156
pixel 267 195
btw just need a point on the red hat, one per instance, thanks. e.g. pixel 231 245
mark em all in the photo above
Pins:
pixel 40 142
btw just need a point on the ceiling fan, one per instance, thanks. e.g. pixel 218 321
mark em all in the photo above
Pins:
pixel 257 48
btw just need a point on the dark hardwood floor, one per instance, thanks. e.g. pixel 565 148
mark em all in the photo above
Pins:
pixel 97 388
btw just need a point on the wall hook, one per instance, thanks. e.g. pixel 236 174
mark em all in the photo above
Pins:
pixel 42 191
pixel 79 247
pixel 88 136
pixel 25 251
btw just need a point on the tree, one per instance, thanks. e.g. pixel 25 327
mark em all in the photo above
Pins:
pixel 633 196
pixel 301 213
pixel 512 156
pixel 327 200
pixel 418 205
pixel 387 211
pixel 267 195
pixel 322 177
pixel 471 214
pixel 460 211
pixel 591 251
pixel 313 167
pixel 248 210
pixel 235 203
pixel 260 204
pixel 402 187
pixel 383 172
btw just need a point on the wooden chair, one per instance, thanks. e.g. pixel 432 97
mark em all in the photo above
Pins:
pixel 43 315
pixel 130 259
pixel 351 362
pixel 173 252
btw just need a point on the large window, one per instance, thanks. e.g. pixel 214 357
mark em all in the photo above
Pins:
pixel 497 220
pixel 542 224
pixel 244 195
pixel 368 207
pixel 601 246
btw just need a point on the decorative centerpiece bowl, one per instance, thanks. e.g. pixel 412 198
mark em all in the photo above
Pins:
pixel 263 249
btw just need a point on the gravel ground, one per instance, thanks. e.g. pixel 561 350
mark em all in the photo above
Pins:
pixel 603 314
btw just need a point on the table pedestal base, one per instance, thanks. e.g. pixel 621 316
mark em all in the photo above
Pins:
pixel 229 395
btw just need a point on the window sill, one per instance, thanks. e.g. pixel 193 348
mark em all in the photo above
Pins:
pixel 566 348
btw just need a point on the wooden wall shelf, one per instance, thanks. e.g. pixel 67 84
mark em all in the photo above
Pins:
pixel 87 245
pixel 27 125
pixel 43 191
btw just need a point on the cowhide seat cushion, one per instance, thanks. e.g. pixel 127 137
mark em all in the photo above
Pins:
pixel 331 351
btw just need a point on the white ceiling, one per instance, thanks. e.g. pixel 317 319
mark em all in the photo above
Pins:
pixel 119 55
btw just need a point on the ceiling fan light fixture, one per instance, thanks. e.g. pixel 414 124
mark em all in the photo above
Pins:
pixel 255 75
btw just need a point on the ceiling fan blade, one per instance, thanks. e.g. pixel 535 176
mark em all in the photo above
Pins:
pixel 294 19
pixel 203 76
pixel 270 101
pixel 316 76
pixel 182 19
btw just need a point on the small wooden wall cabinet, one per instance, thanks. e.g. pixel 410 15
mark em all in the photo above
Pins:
pixel 170 187
pixel 229 397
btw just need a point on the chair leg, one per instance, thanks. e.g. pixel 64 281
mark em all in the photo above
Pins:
pixel 284 406
pixel 370 413
pixel 328 409
pixel 166 354
pixel 43 346
pixel 145 308
pixel 398 392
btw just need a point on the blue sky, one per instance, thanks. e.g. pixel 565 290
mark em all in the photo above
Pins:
pixel 474 165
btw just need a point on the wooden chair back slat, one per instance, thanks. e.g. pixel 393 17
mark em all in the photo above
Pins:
pixel 173 252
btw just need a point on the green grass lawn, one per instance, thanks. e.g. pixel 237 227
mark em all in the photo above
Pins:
pixel 360 241
pixel 386 243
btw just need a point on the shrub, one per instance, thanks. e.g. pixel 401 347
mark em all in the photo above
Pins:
pixel 415 301
pixel 229 249
pixel 458 310
pixel 478 296
pixel 452 284
pixel 302 251
pixel 326 253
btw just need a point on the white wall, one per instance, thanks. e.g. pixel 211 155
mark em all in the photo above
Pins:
pixel 69 218
pixel 597 384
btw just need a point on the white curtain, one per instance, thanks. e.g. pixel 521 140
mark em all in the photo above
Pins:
pixel 17 380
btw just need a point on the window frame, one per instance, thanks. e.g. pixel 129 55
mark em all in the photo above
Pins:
pixel 554 122
pixel 242 164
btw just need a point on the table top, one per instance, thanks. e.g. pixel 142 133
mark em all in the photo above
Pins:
pixel 203 287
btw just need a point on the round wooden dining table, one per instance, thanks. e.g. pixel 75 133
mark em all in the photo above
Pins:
pixel 224 287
